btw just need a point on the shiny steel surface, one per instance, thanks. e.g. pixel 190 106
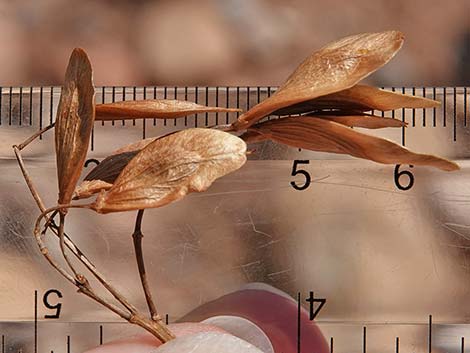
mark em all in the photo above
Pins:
pixel 382 257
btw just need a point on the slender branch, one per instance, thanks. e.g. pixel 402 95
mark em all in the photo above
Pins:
pixel 158 329
pixel 137 237
pixel 50 222
pixel 62 243
pixel 34 136
pixel 28 180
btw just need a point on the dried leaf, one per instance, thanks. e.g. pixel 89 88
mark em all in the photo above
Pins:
pixel 335 67
pixel 365 121
pixel 328 136
pixel 135 146
pixel 172 166
pixel 359 98
pixel 153 109
pixel 88 188
pixel 75 116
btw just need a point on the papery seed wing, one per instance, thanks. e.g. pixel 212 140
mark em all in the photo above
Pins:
pixel 327 136
pixel 153 109
pixel 365 121
pixel 104 174
pixel 335 67
pixel 171 167
pixel 251 136
pixel 359 98
pixel 135 146
pixel 110 167
pixel 88 188
pixel 75 116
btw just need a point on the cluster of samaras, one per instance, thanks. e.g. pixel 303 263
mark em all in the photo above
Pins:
pixel 322 92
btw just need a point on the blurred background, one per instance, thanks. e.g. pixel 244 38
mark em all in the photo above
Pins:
pixel 225 42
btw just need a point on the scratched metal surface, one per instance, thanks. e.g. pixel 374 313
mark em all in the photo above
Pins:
pixel 379 255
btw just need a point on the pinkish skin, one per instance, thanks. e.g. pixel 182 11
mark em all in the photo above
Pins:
pixel 271 310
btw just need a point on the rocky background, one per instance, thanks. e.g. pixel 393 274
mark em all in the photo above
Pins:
pixel 225 42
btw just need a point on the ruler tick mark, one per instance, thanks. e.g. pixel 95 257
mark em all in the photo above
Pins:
pixel 10 106
pixel 465 106
pixel 444 99
pixel 35 321
pixel 20 119
pixel 30 106
pixel 217 104
pixel 424 109
pixel 364 339
pixel 40 110
pixel 298 322
pixel 455 114
pixel 196 97
pixel 176 97
pixel 227 95
pixel 51 107
pixel 207 104
pixel 430 334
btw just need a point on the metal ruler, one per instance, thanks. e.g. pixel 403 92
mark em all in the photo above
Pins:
pixel 386 246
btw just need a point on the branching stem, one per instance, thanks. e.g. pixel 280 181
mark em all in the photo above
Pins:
pixel 155 327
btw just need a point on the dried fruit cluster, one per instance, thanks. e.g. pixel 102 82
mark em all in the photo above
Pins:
pixel 323 91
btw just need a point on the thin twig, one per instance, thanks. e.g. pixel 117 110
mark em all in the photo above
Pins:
pixel 158 329
pixel 137 238
pixel 62 243
pixel 34 136
pixel 69 243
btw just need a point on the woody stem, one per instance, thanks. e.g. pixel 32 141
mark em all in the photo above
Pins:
pixel 137 237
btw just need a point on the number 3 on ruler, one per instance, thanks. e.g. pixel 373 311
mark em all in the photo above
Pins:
pixel 47 304
pixel 296 171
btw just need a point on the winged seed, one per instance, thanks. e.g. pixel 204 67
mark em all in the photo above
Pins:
pixel 171 167
pixel 75 116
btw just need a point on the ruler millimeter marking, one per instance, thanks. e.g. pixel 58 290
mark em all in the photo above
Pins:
pixel 33 102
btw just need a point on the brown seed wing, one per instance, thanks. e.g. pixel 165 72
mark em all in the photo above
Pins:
pixel 135 146
pixel 359 98
pixel 75 116
pixel 251 136
pixel 110 167
pixel 88 188
pixel 104 174
pixel 365 121
pixel 327 136
pixel 153 109
pixel 172 166
pixel 335 67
